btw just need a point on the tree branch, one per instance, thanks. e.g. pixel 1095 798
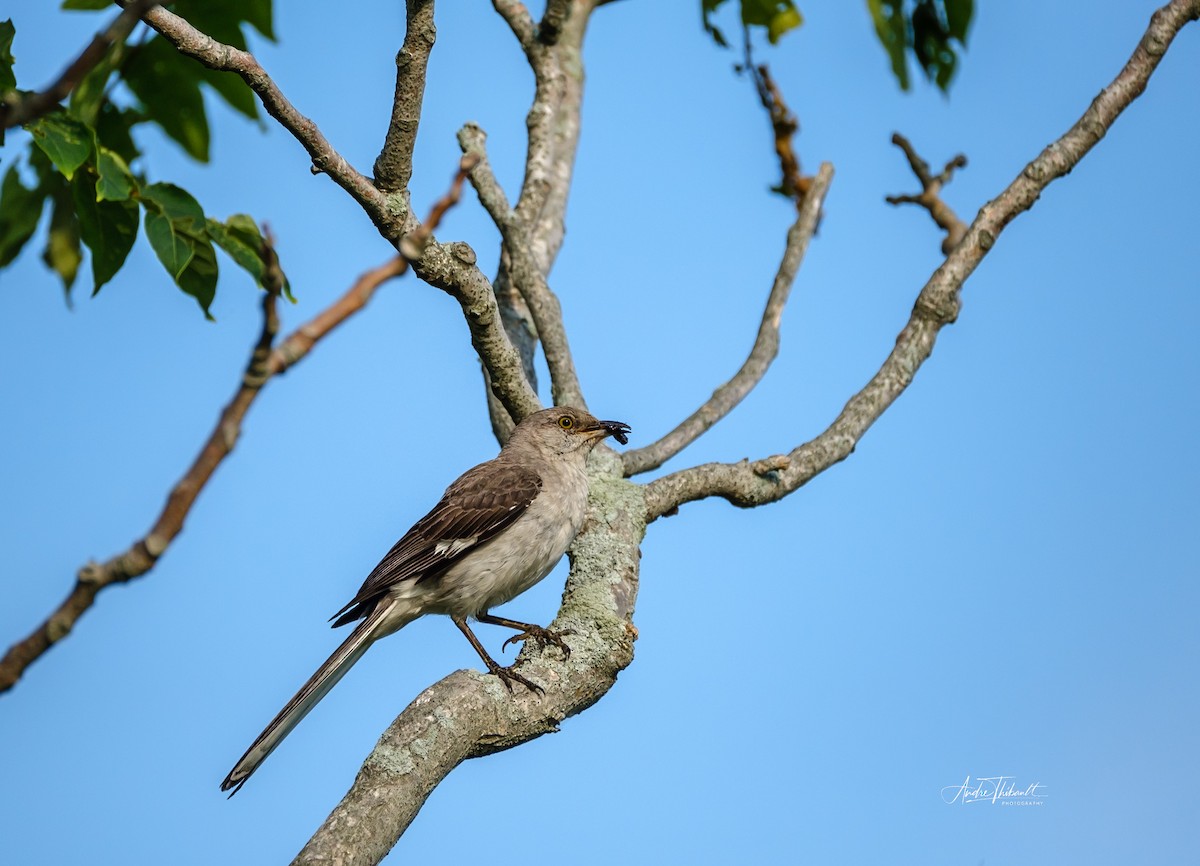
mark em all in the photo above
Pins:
pixel 264 364
pixel 16 110
pixel 524 271
pixel 748 484
pixel 553 123
pixel 517 16
pixel 393 167
pixel 766 343
pixel 144 552
pixel 930 195
pixel 325 159
pixel 470 714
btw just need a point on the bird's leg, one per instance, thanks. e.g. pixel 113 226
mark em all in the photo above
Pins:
pixel 507 676
pixel 543 636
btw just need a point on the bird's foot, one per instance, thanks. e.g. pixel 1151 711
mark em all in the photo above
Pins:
pixel 508 676
pixel 543 637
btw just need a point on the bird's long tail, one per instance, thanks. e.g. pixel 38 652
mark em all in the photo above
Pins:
pixel 318 685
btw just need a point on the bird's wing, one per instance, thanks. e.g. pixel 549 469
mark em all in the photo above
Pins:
pixel 473 509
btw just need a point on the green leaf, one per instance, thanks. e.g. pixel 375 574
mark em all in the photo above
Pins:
pixel 88 98
pixel 168 85
pixel 707 8
pixel 112 131
pixel 175 203
pixel 892 29
pixel 176 228
pixel 109 228
pixel 62 254
pixel 240 238
pixel 778 16
pixel 8 80
pixel 785 20
pixel 259 15
pixel 958 18
pixel 115 183
pixel 86 4
pixel 20 210
pixel 64 139
pixel 223 19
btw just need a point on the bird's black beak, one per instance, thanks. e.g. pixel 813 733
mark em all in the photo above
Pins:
pixel 616 430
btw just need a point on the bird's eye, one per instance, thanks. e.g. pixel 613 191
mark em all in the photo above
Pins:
pixel 565 422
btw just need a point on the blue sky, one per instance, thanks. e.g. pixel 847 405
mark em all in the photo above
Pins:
pixel 1000 581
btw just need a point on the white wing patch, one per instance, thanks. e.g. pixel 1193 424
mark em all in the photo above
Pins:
pixel 453 546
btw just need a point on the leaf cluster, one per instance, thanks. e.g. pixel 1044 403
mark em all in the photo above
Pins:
pixel 84 162
pixel 926 29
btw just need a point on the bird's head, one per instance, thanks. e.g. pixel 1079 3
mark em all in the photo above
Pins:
pixel 563 429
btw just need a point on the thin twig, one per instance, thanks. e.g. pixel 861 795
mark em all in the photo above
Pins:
pixel 809 195
pixel 141 556
pixel 930 195
pixel 751 483
pixel 16 110
pixel 766 343
pixel 784 125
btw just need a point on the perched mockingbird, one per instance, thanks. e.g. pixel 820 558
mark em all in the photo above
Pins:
pixel 497 531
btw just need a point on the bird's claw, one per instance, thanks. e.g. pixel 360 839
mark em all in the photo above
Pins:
pixel 544 637
pixel 508 676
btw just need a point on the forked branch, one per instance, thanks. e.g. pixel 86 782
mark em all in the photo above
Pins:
pixel 751 483
pixel 930 196
pixel 766 343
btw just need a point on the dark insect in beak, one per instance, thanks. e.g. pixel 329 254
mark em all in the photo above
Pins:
pixel 617 430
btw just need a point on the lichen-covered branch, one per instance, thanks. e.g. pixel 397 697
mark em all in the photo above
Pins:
pixel 751 483
pixel 469 714
pixel 393 166
pixel 16 110
pixel 541 301
pixel 930 196
pixel 553 123
pixel 766 343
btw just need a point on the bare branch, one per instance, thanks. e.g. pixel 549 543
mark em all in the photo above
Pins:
pixel 469 714
pixel 930 195
pixel 766 343
pixel 748 484
pixel 553 124
pixel 393 167
pixel 519 20
pixel 16 110
pixel 452 268
pixel 524 272
pixel 144 552
pixel 264 364
pixel 217 55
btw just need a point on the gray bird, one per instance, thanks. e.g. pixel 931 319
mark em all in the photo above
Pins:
pixel 497 531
